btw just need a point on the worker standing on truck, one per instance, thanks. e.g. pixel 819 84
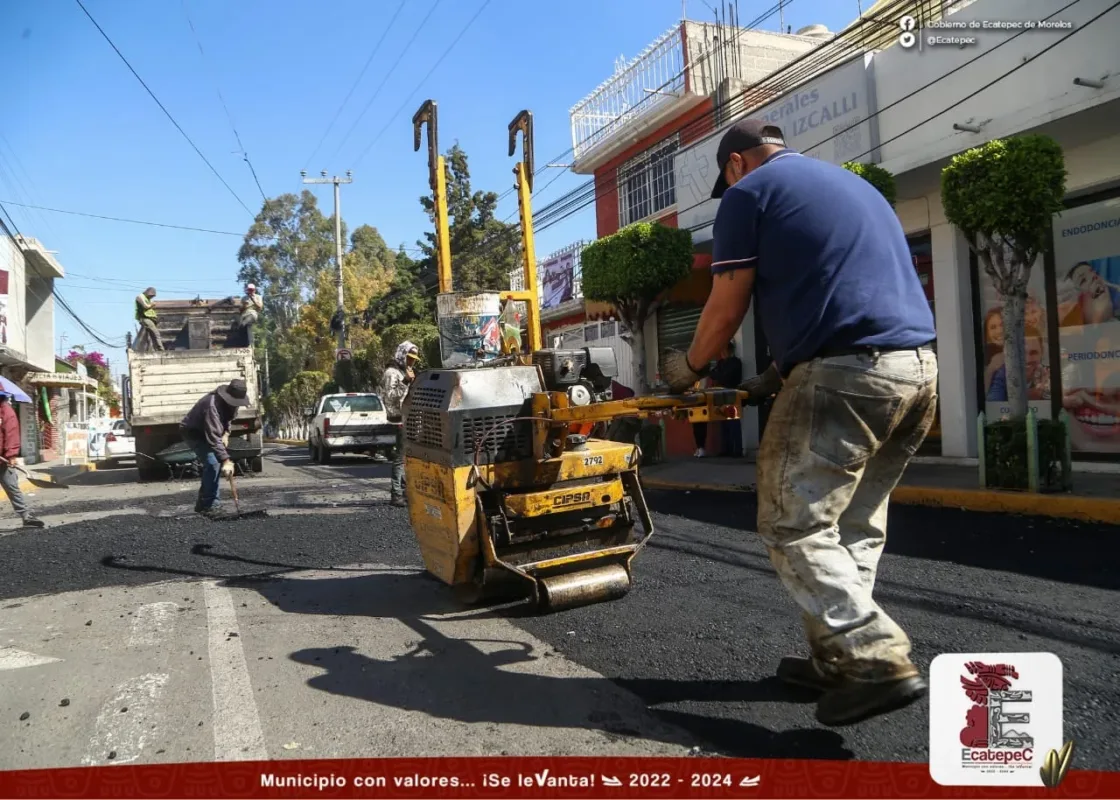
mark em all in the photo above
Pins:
pixel 10 447
pixel 849 329
pixel 398 376
pixel 205 430
pixel 146 316
pixel 251 307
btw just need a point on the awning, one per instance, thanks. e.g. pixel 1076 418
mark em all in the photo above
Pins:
pixel 61 379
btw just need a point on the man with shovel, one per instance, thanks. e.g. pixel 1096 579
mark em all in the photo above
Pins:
pixel 10 446
pixel 205 430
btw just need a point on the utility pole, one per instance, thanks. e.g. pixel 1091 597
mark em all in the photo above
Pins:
pixel 337 181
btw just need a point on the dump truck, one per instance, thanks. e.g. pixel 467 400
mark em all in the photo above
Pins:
pixel 204 347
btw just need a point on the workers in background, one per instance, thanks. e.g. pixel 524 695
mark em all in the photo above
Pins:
pixel 251 307
pixel 146 316
pixel 850 329
pixel 205 429
pixel 728 374
pixel 10 448
pixel 398 376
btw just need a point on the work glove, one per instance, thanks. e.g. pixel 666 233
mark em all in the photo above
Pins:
pixel 18 462
pixel 227 469
pixel 677 373
pixel 762 387
pixel 225 440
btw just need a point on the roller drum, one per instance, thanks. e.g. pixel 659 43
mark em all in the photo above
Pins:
pixel 583 588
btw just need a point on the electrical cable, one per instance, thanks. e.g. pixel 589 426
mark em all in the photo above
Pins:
pixel 353 86
pixel 222 100
pixel 167 113
pixel 380 86
pixel 423 80
pixel 910 95
pixel 809 65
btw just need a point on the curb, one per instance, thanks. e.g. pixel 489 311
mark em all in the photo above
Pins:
pixel 1061 506
pixel 292 442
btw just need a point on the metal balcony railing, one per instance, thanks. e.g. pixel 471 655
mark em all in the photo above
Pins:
pixel 654 77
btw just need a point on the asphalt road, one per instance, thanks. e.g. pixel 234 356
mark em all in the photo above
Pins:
pixel 314 632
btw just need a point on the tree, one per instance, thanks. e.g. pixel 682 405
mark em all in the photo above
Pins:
pixel 365 275
pixel 408 298
pixel 289 243
pixel 288 407
pixel 97 367
pixel 878 177
pixel 1003 196
pixel 630 269
pixel 484 250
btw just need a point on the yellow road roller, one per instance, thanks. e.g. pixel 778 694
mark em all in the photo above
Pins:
pixel 508 494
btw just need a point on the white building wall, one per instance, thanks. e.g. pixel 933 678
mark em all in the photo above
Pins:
pixel 1036 93
pixel 12 261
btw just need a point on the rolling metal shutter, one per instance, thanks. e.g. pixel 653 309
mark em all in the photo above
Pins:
pixel 676 326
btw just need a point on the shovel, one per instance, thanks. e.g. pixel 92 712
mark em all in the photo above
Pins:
pixel 237 505
pixel 42 484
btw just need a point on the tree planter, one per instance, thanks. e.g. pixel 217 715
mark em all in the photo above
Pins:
pixel 1030 454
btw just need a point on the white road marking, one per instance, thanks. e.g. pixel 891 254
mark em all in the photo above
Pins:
pixel 237 725
pixel 124 733
pixel 10 658
pixel 153 622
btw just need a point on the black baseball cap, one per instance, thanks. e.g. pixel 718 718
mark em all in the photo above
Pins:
pixel 746 134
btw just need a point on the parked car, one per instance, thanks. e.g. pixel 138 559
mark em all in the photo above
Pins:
pixel 119 444
pixel 350 423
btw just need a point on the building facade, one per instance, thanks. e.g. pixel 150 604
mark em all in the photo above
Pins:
pixel 910 110
pixel 27 275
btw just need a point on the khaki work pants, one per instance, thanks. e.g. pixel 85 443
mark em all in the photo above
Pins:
pixel 839 437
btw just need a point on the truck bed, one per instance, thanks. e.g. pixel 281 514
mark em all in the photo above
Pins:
pixel 175 317
pixel 163 387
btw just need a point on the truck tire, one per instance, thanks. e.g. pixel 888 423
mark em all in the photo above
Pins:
pixel 257 464
pixel 324 454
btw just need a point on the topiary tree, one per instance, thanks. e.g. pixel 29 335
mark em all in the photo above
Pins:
pixel 287 407
pixel 1003 196
pixel 880 178
pixel 630 269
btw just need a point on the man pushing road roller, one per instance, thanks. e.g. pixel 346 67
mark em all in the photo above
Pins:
pixel 850 332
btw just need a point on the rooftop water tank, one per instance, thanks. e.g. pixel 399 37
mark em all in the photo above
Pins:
pixel 816 32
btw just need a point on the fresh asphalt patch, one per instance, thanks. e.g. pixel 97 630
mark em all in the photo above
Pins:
pixel 699 636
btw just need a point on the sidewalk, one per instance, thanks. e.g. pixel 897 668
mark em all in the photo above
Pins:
pixel 1094 497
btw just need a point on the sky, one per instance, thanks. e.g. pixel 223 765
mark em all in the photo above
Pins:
pixel 79 132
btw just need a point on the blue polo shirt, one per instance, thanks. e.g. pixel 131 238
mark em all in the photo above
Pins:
pixel 832 266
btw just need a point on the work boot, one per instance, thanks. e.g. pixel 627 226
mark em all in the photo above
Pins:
pixel 33 522
pixel 398 501
pixel 215 510
pixel 805 672
pixel 857 699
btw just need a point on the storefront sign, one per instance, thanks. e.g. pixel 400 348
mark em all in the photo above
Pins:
pixel 827 118
pixel 1037 347
pixel 1087 272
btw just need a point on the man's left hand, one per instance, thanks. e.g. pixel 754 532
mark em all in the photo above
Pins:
pixel 227 469
pixel 677 373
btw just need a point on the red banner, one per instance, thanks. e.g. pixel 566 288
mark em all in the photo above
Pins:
pixel 525 777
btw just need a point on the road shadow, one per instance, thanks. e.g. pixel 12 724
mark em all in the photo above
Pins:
pixel 502 682
pixel 1040 547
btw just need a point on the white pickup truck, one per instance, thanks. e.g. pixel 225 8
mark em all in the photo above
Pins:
pixel 350 423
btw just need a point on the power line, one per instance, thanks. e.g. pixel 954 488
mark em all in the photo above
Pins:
pixel 160 224
pixel 167 113
pixel 423 80
pixel 577 203
pixel 380 86
pixel 967 97
pixel 376 49
pixel 653 94
pixel 222 100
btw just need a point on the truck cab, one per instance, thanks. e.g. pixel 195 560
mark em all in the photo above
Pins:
pixel 353 422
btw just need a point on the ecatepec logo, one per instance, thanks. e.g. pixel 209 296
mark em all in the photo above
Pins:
pixel 994 719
